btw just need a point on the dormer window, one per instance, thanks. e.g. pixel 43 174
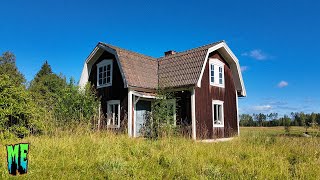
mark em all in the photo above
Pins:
pixel 104 73
pixel 216 73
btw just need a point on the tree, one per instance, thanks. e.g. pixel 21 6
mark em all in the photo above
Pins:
pixel 76 106
pixel 44 71
pixel 8 67
pixel 260 118
pixel 246 120
pixel 47 87
pixel 286 121
pixel 18 114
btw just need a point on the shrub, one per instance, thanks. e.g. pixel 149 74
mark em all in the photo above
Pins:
pixel 76 106
pixel 19 115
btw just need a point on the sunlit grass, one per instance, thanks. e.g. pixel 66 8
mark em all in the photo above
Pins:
pixel 260 153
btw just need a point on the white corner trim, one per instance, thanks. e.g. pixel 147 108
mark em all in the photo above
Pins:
pixel 233 57
pixel 134 116
pixel 129 112
pixel 218 102
pixel 193 114
pixel 238 119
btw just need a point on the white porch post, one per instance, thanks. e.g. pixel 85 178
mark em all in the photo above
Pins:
pixel 129 112
pixel 193 114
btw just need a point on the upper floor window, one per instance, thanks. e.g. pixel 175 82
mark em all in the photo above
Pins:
pixel 216 72
pixel 104 73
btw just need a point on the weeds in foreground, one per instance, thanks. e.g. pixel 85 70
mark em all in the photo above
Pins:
pixel 257 154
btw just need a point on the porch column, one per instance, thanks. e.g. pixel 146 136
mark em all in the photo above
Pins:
pixel 193 114
pixel 129 112
pixel 238 120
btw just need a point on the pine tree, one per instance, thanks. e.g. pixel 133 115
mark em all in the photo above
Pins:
pixel 8 67
pixel 46 87
pixel 45 70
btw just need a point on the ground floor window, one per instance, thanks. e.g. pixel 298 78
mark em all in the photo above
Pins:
pixel 113 116
pixel 217 113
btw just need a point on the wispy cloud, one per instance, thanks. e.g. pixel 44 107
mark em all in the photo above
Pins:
pixel 256 54
pixel 262 108
pixel 283 84
pixel 244 68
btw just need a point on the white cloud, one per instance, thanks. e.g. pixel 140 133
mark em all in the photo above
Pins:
pixel 244 68
pixel 283 84
pixel 256 54
pixel 262 108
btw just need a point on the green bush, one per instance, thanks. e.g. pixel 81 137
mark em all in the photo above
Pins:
pixel 19 115
pixel 76 106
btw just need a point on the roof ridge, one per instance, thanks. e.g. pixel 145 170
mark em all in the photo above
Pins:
pixel 129 51
pixel 189 50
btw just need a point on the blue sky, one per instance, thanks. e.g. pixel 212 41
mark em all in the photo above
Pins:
pixel 276 42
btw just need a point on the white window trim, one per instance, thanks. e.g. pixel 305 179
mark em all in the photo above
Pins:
pixel 217 63
pixel 217 102
pixel 102 64
pixel 114 102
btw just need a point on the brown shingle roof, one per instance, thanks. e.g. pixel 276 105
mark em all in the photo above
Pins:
pixel 140 70
pixel 180 69
pixel 184 68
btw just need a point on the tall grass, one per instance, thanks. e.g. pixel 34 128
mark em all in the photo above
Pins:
pixel 257 154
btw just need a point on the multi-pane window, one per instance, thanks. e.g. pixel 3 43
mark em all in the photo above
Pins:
pixel 113 117
pixel 220 76
pixel 104 73
pixel 211 73
pixel 216 73
pixel 217 113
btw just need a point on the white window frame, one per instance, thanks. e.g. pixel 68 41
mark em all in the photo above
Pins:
pixel 217 102
pixel 173 102
pixel 109 103
pixel 217 64
pixel 103 63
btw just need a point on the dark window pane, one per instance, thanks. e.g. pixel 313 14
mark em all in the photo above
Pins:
pixel 108 73
pixel 104 75
pixel 100 81
pixel 108 79
pixel 220 81
pixel 104 68
pixel 100 69
pixel 212 79
pixel 104 81
pixel 100 75
pixel 109 67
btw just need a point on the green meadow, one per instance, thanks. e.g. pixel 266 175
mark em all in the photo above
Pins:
pixel 259 153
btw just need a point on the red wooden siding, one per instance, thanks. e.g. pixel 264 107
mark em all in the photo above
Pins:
pixel 203 103
pixel 114 92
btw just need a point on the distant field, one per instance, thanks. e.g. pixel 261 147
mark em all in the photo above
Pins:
pixel 260 153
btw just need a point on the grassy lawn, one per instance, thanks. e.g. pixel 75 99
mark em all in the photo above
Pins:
pixel 260 153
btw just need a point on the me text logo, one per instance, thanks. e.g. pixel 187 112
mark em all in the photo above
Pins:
pixel 17 156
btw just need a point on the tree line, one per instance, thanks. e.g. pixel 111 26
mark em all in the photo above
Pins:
pixel 42 105
pixel 273 119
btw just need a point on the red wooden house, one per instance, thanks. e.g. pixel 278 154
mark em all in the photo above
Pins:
pixel 206 81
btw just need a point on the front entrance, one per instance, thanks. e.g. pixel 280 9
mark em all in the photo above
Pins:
pixel 142 108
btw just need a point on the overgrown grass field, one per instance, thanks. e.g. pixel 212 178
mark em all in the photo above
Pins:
pixel 259 153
